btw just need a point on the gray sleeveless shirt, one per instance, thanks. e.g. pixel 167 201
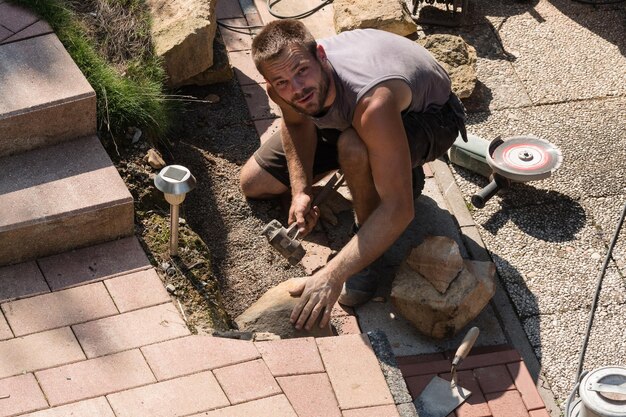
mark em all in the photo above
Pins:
pixel 363 58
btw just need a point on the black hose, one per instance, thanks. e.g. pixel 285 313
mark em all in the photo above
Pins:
pixel 297 16
pixel 594 306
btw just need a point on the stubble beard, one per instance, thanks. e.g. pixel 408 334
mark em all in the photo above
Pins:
pixel 322 93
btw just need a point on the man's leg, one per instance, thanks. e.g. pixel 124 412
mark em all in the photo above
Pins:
pixel 354 162
pixel 256 182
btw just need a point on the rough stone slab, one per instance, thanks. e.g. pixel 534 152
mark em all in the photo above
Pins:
pixel 24 395
pixel 137 290
pixel 61 197
pixel 354 372
pixel 21 280
pixel 95 407
pixel 130 330
pixel 276 406
pixel 94 263
pixel 39 351
pixel 44 98
pixel 16 18
pixel 58 309
pixel 196 353
pixel 176 397
pixel 36 29
pixel 95 377
pixel 5 330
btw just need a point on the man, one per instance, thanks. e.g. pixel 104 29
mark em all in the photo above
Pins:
pixel 370 102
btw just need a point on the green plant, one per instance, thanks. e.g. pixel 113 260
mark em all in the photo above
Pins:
pixel 129 88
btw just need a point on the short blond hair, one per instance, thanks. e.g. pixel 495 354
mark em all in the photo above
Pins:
pixel 277 36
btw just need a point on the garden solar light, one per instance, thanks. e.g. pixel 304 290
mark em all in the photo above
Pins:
pixel 175 181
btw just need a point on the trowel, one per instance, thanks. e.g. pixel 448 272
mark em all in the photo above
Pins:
pixel 441 397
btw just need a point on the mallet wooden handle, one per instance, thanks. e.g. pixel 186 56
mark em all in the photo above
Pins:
pixel 466 346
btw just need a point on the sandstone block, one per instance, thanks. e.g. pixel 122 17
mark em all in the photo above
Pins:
pixel 183 33
pixel 457 57
pixel 438 259
pixel 391 16
pixel 442 315
pixel 271 312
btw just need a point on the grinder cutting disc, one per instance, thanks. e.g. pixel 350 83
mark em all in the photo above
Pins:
pixel 524 158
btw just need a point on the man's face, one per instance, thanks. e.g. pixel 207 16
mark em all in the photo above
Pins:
pixel 300 80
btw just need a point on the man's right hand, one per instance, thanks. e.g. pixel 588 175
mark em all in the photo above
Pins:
pixel 303 214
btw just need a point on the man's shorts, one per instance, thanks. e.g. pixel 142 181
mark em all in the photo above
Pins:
pixel 430 134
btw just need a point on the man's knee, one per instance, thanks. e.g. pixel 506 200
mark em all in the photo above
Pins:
pixel 255 182
pixel 351 148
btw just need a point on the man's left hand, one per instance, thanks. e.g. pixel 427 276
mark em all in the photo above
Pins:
pixel 317 297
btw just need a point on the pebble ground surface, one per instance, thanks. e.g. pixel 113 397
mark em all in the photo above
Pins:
pixel 555 69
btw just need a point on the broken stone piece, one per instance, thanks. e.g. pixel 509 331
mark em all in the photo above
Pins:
pixel 389 15
pixel 438 259
pixel 155 160
pixel 271 313
pixel 458 59
pixel 442 315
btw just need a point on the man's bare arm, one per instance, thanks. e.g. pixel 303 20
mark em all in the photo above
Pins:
pixel 378 122
pixel 299 139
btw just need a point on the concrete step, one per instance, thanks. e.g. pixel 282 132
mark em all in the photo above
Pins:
pixel 59 198
pixel 44 98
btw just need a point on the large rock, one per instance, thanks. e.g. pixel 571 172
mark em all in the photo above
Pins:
pixel 183 32
pixel 457 58
pixel 389 15
pixel 443 315
pixel 271 312
pixel 438 259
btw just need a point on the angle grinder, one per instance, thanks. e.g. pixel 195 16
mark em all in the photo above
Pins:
pixel 515 159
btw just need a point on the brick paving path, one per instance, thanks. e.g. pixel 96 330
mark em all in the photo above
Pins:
pixel 93 332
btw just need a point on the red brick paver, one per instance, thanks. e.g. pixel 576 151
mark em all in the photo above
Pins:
pixel 266 128
pixel 245 71
pixel 539 413
pixel 236 41
pixel 525 385
pixel 354 371
pixel 95 407
pixel 16 18
pixel 176 397
pixel 95 377
pixel 94 263
pixel 228 10
pixel 506 404
pixel 310 395
pixel 381 411
pixel 130 330
pixel 36 29
pixel 247 381
pixel 276 406
pixel 58 309
pixel 39 351
pixel 21 280
pixel 23 393
pixel 291 356
pixel 137 290
pixel 475 405
pixel 196 353
pixel 260 106
pixel 5 330
pixel 494 379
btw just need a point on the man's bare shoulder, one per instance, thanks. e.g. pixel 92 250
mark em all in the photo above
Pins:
pixel 395 93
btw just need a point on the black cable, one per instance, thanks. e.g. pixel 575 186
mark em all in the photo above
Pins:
pixel 297 16
pixel 581 358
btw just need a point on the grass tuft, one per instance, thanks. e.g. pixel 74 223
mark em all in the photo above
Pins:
pixel 117 58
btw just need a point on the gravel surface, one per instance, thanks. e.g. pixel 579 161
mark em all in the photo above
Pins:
pixel 563 65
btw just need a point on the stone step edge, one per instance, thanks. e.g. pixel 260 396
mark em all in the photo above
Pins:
pixel 47 105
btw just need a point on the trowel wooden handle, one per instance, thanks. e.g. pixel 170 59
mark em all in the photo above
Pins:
pixel 466 346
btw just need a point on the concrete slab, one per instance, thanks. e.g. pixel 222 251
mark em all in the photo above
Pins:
pixel 553 49
pixel 59 198
pixel 44 98
pixel 405 340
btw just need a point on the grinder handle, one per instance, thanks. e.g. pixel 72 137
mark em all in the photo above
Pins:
pixel 480 198
pixel 466 346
